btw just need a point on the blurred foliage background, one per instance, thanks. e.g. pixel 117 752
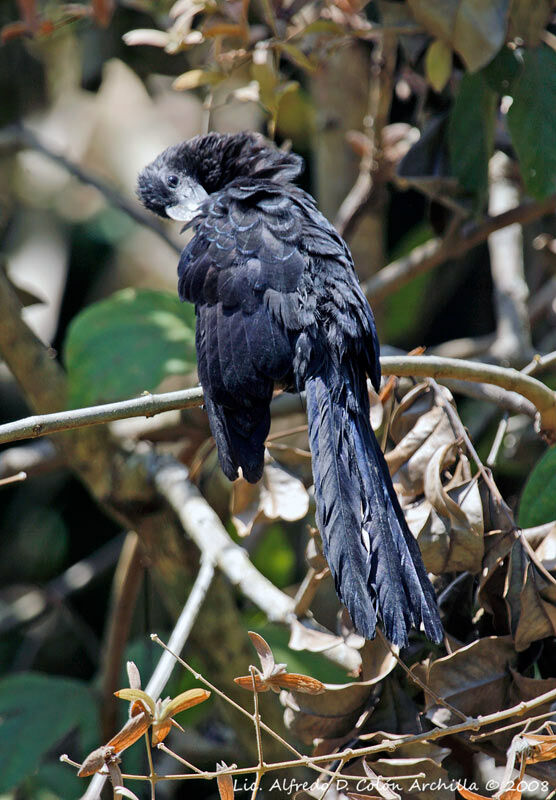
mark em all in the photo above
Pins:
pixel 414 123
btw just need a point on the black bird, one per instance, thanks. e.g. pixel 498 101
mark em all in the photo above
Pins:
pixel 278 302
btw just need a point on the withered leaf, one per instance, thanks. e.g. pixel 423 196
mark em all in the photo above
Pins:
pixel 434 786
pixel 475 679
pixel 225 782
pixel 134 728
pixel 542 747
pixel 133 675
pixel 183 701
pixel 381 787
pixel 448 522
pixel 263 651
pixel 420 427
pixel 284 680
pixel 95 761
pixel 278 495
pixel 531 618
pixel 137 696
pixel 246 682
pixel 160 731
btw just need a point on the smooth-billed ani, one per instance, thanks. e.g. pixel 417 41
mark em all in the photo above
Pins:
pixel 278 303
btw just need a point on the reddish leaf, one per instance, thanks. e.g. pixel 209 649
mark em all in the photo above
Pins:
pixel 130 733
pixel 296 683
pixel 543 748
pixel 14 30
pixel 161 731
pixel 246 682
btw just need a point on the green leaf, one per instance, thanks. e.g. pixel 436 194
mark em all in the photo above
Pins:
pixel 474 29
pixel 297 56
pixel 128 344
pixel 538 501
pixel 438 64
pixel 503 70
pixel 60 779
pixel 36 711
pixel 532 121
pixel 471 134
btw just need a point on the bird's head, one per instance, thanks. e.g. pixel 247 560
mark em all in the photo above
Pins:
pixel 180 179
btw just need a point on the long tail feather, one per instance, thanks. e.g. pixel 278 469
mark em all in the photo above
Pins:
pixel 374 559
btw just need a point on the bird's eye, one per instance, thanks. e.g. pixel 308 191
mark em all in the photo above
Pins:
pixel 172 181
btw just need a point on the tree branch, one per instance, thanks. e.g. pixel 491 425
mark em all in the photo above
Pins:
pixel 543 398
pixel 516 384
pixel 16 137
pixel 436 251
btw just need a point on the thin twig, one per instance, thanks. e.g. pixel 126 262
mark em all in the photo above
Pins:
pixel 145 406
pixel 182 629
pixel 540 395
pixel 166 749
pixel 18 137
pixel 152 774
pixel 125 588
pixel 436 251
pixel 415 678
pixel 20 476
pixel 257 723
pixel 381 87
pixel 497 443
pixel 496 731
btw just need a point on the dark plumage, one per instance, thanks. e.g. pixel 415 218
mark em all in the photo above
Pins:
pixel 278 303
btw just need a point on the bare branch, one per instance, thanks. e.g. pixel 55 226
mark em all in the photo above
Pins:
pixel 125 588
pixel 517 385
pixel 380 99
pixel 16 137
pixel 543 398
pixel 436 251
pixel 145 406
pixel 513 332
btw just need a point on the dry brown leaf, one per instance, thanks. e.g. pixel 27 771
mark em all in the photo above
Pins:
pixel 183 701
pixel 448 521
pixel 95 761
pixel 475 679
pixel 225 783
pixel 278 495
pixel 290 681
pixel 512 793
pixel 263 651
pixel 383 789
pixel 246 682
pixel 434 786
pixel 134 728
pixel 420 427
pixel 530 617
pixel 160 731
pixel 542 748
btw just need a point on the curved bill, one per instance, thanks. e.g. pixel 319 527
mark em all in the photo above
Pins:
pixel 188 205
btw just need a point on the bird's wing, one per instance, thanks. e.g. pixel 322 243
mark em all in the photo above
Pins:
pixel 242 269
